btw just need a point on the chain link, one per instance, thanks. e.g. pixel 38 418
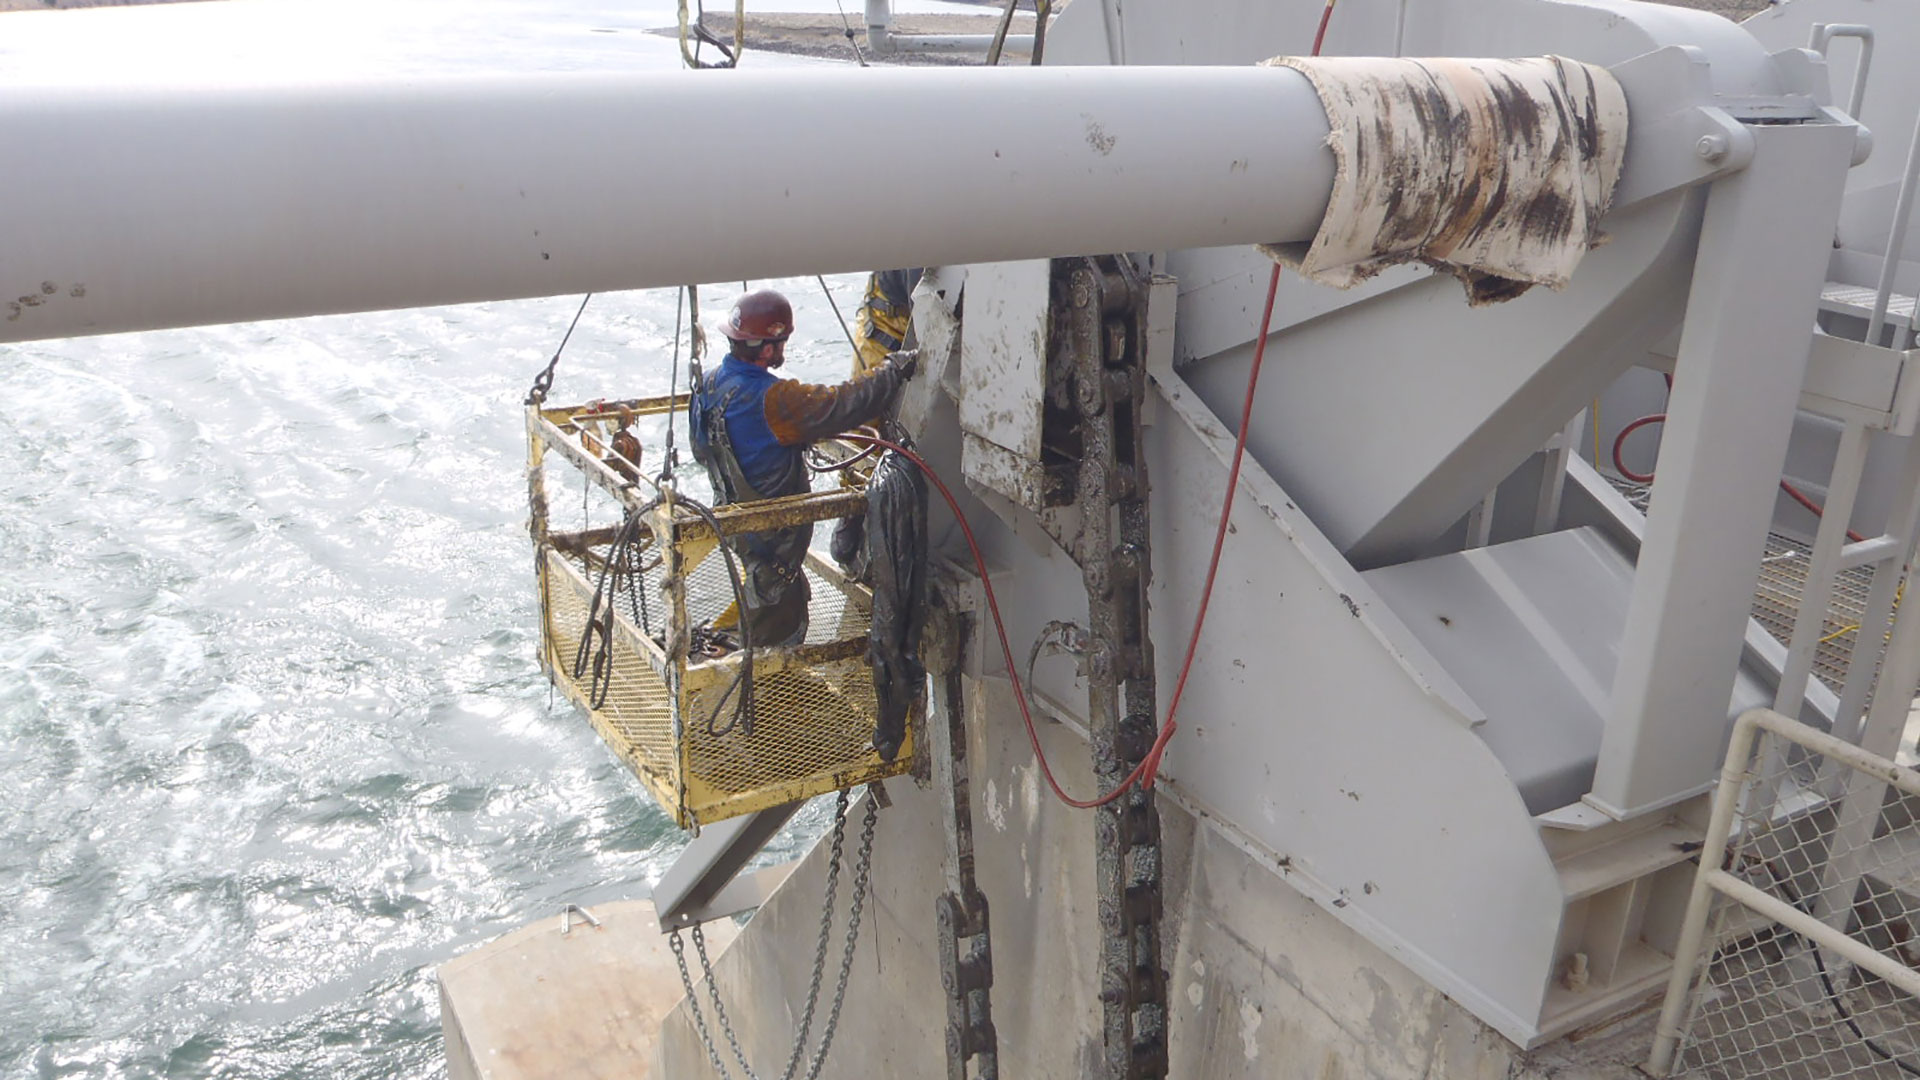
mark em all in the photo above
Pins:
pixel 862 865
pixel 826 935
pixel 719 1010
pixel 862 876
pixel 693 1003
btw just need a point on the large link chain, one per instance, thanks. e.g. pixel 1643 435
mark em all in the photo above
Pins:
pixel 862 873
pixel 1104 341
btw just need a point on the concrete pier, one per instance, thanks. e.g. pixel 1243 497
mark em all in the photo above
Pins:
pixel 585 1004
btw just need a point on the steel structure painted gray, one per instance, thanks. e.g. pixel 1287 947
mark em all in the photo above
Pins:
pixel 1737 380
pixel 219 203
pixel 704 883
pixel 881 38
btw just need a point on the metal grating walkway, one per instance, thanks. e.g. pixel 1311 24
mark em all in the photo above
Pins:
pixel 1776 597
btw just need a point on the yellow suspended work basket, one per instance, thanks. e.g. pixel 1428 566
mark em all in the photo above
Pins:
pixel 666 703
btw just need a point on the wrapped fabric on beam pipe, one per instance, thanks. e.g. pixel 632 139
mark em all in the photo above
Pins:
pixel 1495 171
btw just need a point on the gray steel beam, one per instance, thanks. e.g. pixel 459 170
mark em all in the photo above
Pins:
pixel 1763 253
pixel 178 206
pixel 701 884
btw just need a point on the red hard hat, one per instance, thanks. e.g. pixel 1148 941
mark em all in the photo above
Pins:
pixel 759 316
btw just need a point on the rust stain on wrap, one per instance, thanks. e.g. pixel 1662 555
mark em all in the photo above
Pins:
pixel 1495 171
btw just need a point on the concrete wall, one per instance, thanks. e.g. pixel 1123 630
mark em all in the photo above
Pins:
pixel 1264 983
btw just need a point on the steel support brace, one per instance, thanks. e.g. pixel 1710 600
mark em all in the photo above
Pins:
pixel 1763 253
pixel 966 954
pixel 705 882
pixel 1105 340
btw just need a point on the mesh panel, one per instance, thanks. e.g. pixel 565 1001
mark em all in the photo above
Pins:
pixel 1783 580
pixel 813 706
pixel 636 719
pixel 810 728
pixel 1776 602
pixel 1835 844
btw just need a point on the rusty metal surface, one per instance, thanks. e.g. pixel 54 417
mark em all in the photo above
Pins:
pixel 766 514
pixel 1105 346
pixel 961 915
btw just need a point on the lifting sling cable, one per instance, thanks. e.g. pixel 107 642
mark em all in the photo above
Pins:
pixel 543 381
pixel 844 328
pixel 593 658
pixel 694 32
pixel 847 25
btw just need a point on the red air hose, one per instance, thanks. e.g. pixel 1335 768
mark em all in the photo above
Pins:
pixel 1320 35
pixel 1620 466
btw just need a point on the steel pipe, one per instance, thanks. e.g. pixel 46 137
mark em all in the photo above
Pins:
pixel 886 41
pixel 139 207
pixel 881 38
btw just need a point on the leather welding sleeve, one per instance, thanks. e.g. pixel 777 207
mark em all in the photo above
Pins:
pixel 801 413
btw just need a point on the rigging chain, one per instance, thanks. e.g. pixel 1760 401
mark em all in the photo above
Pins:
pixel 862 876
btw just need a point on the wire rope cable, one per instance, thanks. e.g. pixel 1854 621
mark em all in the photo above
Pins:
pixel 835 305
pixel 851 40
pixel 543 381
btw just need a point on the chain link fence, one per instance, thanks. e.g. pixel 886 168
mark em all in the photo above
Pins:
pixel 1800 955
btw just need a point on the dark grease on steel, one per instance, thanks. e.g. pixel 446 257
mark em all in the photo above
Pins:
pixel 1587 124
pixel 1515 112
pixel 1097 136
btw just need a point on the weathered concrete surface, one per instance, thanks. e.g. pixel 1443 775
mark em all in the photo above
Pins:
pixel 1264 983
pixel 539 1003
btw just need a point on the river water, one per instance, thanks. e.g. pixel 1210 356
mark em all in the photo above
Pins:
pixel 272 734
pixel 273 740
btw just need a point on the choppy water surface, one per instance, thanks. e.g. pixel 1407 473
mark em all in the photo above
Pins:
pixel 273 740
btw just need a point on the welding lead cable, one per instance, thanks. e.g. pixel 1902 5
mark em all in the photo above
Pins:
pixel 743 680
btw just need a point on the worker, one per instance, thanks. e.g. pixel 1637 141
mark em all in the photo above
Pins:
pixel 885 317
pixel 749 428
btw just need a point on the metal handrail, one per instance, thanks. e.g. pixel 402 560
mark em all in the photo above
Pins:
pixel 1819 38
pixel 882 40
pixel 1822 35
pixel 1896 241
